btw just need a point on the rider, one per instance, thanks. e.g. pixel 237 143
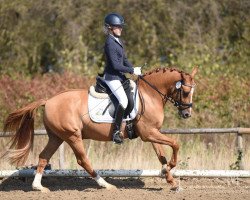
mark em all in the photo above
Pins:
pixel 116 65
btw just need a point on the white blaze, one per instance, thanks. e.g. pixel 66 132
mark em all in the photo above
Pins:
pixel 191 99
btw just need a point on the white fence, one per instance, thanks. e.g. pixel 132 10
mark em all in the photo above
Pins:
pixel 129 173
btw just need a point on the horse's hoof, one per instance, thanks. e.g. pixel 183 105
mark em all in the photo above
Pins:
pixel 41 189
pixel 111 187
pixel 176 189
pixel 45 190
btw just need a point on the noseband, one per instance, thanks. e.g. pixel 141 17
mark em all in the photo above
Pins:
pixel 179 104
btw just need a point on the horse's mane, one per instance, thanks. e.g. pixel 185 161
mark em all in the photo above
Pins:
pixel 164 69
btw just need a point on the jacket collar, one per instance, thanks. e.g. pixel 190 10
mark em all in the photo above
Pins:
pixel 116 40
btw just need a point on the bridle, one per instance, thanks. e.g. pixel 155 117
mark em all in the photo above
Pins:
pixel 178 86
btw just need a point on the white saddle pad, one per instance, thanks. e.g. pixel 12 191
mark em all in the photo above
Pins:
pixel 98 102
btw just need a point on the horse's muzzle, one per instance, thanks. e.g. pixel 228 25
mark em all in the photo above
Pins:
pixel 184 114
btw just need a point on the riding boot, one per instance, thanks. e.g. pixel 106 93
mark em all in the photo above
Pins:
pixel 117 125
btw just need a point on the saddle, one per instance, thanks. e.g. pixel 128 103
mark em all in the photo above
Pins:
pixel 102 104
pixel 101 87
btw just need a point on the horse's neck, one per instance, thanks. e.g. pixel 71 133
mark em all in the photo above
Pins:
pixel 162 80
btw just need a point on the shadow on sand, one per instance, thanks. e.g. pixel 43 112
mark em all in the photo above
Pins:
pixel 69 183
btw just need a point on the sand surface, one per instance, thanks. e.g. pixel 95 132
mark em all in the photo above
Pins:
pixel 127 188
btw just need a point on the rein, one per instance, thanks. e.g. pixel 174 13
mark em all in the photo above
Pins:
pixel 179 104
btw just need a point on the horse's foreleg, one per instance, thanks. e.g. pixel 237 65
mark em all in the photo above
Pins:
pixel 83 161
pixel 53 144
pixel 165 166
pixel 160 154
pixel 155 136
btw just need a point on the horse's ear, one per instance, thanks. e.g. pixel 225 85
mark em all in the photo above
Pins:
pixel 194 71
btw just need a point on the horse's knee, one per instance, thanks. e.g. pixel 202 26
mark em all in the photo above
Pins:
pixel 176 145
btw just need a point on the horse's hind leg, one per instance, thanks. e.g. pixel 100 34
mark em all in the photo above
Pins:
pixel 83 161
pixel 44 157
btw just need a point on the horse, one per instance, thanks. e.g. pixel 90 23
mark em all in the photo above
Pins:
pixel 65 119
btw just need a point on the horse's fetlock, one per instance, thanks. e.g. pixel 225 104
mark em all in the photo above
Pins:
pixel 164 171
pixel 170 179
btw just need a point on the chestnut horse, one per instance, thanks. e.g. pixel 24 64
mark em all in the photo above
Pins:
pixel 65 120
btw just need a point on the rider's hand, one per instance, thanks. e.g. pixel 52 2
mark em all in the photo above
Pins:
pixel 137 71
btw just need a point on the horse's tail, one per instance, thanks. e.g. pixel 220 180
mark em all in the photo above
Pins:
pixel 21 122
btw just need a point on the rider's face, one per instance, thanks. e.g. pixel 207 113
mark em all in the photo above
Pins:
pixel 117 30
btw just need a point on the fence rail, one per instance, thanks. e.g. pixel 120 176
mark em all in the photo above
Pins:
pixel 129 173
pixel 174 131
pixel 207 131
pixel 238 131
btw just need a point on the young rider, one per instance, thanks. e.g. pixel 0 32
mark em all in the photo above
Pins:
pixel 116 65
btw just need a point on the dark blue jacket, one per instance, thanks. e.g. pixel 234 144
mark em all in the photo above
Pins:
pixel 116 60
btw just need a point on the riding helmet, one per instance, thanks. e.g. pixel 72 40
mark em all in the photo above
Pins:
pixel 114 19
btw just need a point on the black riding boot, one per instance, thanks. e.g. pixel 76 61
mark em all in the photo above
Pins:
pixel 117 126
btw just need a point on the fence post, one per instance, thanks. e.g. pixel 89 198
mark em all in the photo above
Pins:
pixel 61 156
pixel 240 151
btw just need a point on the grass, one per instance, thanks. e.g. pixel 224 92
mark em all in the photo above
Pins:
pixel 196 152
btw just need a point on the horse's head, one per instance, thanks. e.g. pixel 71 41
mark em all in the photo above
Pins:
pixel 179 87
pixel 182 93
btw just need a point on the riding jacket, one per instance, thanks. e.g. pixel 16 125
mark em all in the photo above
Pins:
pixel 116 61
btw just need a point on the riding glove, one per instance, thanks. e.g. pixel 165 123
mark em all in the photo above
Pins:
pixel 137 71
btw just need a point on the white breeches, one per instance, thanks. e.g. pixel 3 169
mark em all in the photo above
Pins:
pixel 117 89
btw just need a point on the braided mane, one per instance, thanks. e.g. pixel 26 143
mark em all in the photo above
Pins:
pixel 164 69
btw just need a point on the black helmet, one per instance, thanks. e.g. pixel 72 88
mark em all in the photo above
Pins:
pixel 114 19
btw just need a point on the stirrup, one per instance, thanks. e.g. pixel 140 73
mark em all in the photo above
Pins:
pixel 117 139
